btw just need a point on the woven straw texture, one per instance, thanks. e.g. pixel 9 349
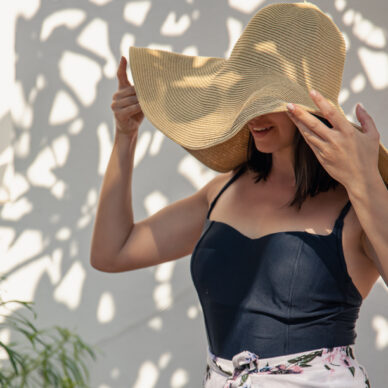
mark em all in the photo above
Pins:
pixel 204 103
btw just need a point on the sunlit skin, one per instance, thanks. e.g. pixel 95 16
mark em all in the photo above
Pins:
pixel 279 142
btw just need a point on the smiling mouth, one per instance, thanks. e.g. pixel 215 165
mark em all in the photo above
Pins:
pixel 257 124
pixel 261 130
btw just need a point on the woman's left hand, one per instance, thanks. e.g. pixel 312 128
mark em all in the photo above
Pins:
pixel 347 154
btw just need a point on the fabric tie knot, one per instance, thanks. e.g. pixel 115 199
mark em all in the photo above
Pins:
pixel 244 363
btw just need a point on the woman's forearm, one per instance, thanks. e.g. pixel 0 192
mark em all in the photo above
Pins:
pixel 114 216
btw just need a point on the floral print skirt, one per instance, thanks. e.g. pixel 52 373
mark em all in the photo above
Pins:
pixel 319 368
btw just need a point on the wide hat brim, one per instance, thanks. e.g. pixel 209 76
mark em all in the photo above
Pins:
pixel 172 90
pixel 204 103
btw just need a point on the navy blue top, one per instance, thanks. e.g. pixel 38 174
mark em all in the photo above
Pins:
pixel 282 293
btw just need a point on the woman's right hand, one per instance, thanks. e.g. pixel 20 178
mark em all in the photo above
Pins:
pixel 125 106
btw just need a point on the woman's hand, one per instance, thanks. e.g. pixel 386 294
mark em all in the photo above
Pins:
pixel 348 155
pixel 125 106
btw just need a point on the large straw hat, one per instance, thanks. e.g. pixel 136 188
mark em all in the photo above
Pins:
pixel 204 103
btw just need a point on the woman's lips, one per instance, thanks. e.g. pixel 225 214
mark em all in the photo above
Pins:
pixel 261 133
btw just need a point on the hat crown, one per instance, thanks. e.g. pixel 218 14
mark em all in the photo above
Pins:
pixel 296 40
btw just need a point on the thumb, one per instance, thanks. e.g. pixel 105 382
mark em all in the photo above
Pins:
pixel 122 74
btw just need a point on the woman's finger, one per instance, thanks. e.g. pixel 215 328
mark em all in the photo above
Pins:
pixel 338 121
pixel 367 123
pixel 125 92
pixel 122 102
pixel 131 108
pixel 128 111
pixel 122 74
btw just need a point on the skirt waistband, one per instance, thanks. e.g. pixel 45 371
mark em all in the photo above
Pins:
pixel 247 363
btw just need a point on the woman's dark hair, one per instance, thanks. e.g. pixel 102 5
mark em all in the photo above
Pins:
pixel 311 178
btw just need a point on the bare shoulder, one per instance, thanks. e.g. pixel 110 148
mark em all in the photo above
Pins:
pixel 215 185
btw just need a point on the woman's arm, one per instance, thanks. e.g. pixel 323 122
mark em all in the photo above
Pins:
pixel 370 201
pixel 114 217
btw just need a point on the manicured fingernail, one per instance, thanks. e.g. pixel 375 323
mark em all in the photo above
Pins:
pixel 362 107
pixel 290 107
pixel 313 93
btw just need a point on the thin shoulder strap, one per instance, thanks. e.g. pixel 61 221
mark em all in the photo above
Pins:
pixel 229 182
pixel 340 219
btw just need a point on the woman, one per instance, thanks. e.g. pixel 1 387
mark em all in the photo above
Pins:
pixel 252 209
pixel 295 241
